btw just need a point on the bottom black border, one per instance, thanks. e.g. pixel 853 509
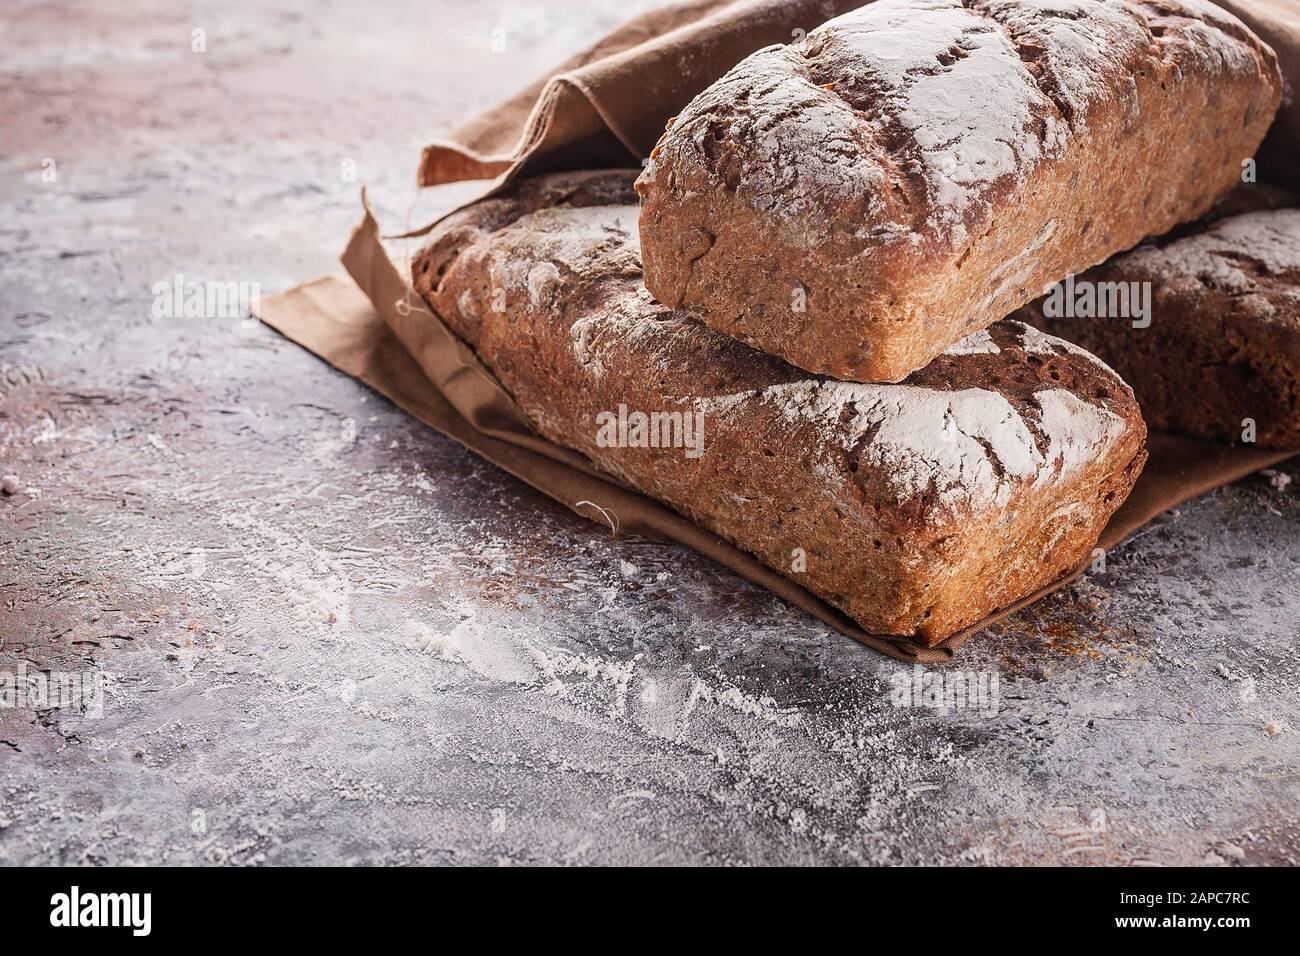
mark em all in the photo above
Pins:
pixel 335 905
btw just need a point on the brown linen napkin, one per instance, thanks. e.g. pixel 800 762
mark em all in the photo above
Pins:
pixel 606 108
pixel 611 101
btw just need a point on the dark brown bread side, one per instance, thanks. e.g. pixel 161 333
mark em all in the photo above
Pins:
pixel 1222 347
pixel 914 170
pixel 917 509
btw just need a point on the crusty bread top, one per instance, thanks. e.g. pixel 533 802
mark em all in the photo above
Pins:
pixel 1249 254
pixel 1004 409
pixel 918 115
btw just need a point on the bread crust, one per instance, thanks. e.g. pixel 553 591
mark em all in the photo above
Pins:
pixel 917 509
pixel 1222 347
pixel 914 170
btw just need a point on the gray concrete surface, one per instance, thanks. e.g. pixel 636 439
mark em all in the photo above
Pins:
pixel 329 635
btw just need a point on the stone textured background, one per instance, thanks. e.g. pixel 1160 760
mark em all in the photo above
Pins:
pixel 333 636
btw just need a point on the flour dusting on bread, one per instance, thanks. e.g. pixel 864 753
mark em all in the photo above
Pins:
pixel 977 343
pixel 1228 254
pixel 970 448
pixel 982 91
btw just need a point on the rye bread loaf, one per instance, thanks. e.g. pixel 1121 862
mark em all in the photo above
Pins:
pixel 914 170
pixel 917 509
pixel 1220 341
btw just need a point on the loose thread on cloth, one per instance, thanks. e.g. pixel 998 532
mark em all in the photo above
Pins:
pixel 605 513
pixel 406 305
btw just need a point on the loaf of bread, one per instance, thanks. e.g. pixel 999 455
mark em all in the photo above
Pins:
pixel 914 170
pixel 916 508
pixel 1206 327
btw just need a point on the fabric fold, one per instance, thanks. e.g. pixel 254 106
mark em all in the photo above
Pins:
pixel 607 106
